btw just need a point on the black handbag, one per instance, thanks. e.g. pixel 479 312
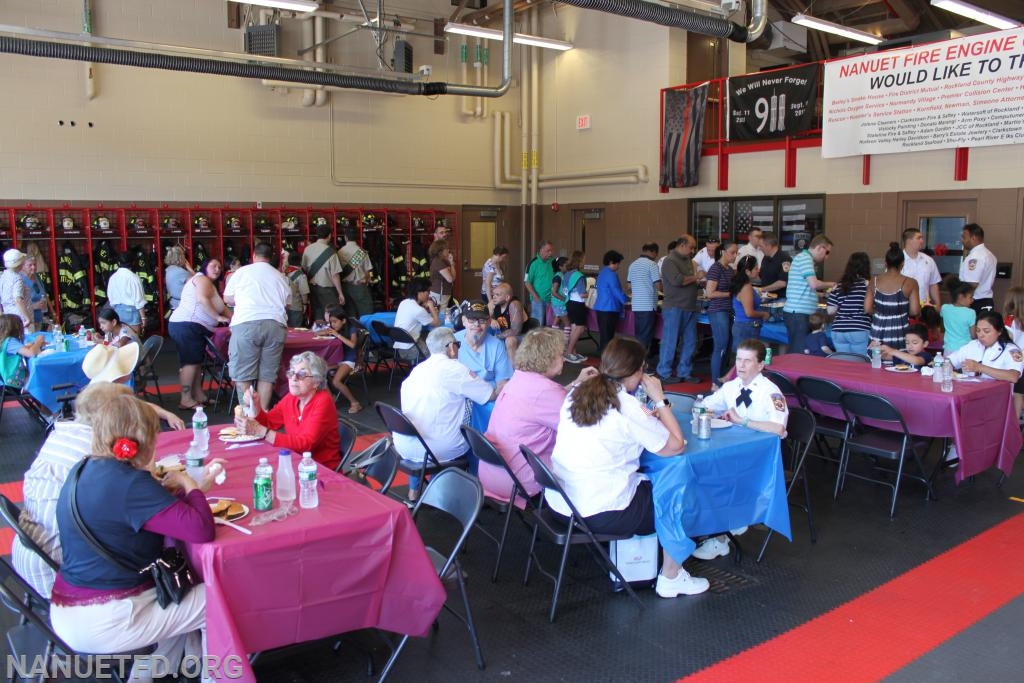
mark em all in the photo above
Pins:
pixel 172 575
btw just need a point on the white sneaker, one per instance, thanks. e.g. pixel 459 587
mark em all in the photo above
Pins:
pixel 717 546
pixel 683 584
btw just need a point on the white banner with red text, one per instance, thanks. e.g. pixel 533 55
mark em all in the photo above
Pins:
pixel 967 92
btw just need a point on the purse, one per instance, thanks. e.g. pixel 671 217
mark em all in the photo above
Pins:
pixel 172 575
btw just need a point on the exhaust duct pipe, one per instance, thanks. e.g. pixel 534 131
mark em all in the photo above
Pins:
pixel 685 19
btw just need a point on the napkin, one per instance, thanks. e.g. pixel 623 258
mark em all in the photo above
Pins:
pixel 927 371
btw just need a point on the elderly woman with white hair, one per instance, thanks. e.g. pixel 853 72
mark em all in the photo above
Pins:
pixel 305 419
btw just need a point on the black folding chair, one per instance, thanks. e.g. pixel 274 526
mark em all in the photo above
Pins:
pixel 34 637
pixel 799 435
pixel 568 533
pixel 787 387
pixel 381 351
pixel 26 400
pixel 11 515
pixel 396 422
pixel 215 365
pixel 145 370
pixel 400 336
pixel 890 442
pixel 825 392
pixel 681 403
pixel 486 452
pixel 460 496
pixel 360 370
pixel 847 355
pixel 378 462
pixel 346 439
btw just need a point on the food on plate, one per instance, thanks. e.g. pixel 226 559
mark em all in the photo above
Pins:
pixel 161 470
pixel 227 509
pixel 902 367
pixel 229 432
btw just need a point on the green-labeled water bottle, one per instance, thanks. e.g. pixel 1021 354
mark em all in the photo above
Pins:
pixel 263 486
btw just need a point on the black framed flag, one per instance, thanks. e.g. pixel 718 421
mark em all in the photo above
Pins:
pixel 774 104
pixel 682 136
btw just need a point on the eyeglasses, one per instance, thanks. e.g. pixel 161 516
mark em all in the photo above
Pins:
pixel 299 374
pixel 475 321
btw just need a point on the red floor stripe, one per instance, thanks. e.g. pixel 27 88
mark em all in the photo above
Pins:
pixel 13 490
pixel 884 630
pixel 6 538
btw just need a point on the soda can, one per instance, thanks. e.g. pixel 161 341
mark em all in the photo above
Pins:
pixel 262 493
pixel 704 426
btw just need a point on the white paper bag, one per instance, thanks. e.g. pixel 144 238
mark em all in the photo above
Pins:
pixel 636 558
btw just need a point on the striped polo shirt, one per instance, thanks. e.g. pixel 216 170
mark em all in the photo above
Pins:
pixel 643 274
pixel 800 298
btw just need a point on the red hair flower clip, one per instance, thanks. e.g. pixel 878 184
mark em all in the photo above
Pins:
pixel 125 449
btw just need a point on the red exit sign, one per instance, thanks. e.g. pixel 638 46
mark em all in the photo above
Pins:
pixel 583 122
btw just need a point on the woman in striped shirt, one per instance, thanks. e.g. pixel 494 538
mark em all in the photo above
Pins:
pixel 852 303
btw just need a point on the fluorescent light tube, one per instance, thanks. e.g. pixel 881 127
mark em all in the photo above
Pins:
pixel 978 14
pixel 295 5
pixel 518 38
pixel 837 29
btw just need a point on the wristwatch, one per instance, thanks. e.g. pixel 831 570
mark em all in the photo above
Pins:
pixel 663 403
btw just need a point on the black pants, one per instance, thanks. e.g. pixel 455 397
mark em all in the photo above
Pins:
pixel 982 305
pixel 607 322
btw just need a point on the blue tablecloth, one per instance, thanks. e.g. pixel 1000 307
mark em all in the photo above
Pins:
pixel 731 480
pixel 386 317
pixel 59 367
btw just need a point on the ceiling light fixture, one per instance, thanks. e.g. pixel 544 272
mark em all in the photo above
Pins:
pixel 837 29
pixel 518 38
pixel 978 14
pixel 294 5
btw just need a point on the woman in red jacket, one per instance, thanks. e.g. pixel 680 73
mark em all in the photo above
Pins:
pixel 305 419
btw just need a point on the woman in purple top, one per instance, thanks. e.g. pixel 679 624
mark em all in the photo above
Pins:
pixel 99 606
pixel 526 411
pixel 720 306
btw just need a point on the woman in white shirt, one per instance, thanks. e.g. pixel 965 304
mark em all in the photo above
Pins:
pixel 991 354
pixel 602 431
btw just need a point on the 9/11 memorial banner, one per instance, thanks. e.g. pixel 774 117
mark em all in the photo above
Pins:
pixel 967 92
pixel 773 104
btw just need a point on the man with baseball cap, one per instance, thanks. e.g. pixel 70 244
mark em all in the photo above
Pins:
pixel 484 355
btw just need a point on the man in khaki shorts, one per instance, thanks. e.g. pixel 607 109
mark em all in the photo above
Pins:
pixel 260 295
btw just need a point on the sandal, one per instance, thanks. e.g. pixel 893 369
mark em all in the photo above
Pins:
pixel 355 408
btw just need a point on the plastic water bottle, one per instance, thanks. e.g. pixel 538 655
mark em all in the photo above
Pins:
pixel 937 367
pixel 308 495
pixel 876 358
pixel 285 477
pixel 58 339
pixel 200 431
pixel 263 486
pixel 768 356
pixel 947 376
pixel 195 460
pixel 698 410
pixel 641 394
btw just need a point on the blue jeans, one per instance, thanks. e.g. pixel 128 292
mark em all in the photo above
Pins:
pixel 677 323
pixel 721 324
pixel 852 342
pixel 797 327
pixel 644 327
pixel 538 309
pixel 744 330
pixel 129 315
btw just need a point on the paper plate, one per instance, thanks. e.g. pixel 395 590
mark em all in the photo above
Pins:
pixel 717 423
pixel 905 370
pixel 233 518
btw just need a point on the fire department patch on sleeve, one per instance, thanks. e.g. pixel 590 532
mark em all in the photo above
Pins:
pixel 785 266
pixel 972 264
pixel 1017 356
pixel 779 401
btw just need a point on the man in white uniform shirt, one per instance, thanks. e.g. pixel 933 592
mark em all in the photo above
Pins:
pixel 260 295
pixel 978 266
pixel 434 399
pixel 750 400
pixel 921 267
pixel 705 258
pixel 126 295
pixel 753 247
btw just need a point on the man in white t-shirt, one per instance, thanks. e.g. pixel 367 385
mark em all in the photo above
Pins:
pixel 260 295
pixel 753 247
pixel 434 399
pixel 978 266
pixel 705 258
pixel 750 400
pixel 413 313
pixel 921 267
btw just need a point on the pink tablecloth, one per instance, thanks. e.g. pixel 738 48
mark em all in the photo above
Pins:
pixel 297 341
pixel 978 416
pixel 356 561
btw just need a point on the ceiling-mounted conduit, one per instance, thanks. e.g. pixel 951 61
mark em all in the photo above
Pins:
pixel 685 19
pixel 55 45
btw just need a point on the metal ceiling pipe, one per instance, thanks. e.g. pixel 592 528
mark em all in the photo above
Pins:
pixel 87 48
pixel 685 19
